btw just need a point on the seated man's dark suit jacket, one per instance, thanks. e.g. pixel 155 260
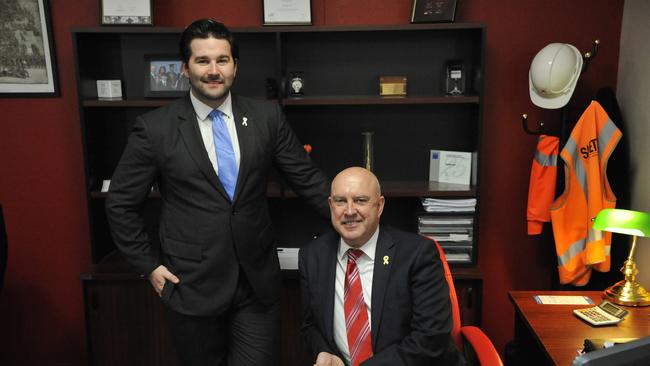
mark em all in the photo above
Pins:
pixel 204 237
pixel 411 316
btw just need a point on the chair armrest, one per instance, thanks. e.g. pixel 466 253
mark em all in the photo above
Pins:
pixel 482 346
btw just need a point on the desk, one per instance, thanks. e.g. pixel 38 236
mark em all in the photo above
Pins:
pixel 555 332
pixel 125 323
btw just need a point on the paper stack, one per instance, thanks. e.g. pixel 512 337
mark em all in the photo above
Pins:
pixel 454 232
pixel 449 205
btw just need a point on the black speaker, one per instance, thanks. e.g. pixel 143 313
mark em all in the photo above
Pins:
pixel 3 249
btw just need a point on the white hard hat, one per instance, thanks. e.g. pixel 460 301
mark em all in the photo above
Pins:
pixel 554 74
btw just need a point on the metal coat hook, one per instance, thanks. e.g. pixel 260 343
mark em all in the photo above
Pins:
pixel 540 131
pixel 589 56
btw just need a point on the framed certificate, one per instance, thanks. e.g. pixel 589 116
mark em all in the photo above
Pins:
pixel 429 11
pixel 287 12
pixel 126 12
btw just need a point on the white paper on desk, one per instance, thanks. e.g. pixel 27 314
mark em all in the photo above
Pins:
pixel 563 300
pixel 106 183
pixel 288 258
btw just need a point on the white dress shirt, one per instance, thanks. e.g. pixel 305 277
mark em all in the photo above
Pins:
pixel 365 264
pixel 205 125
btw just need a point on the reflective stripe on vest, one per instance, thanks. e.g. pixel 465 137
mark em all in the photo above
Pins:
pixel 578 246
pixel 541 189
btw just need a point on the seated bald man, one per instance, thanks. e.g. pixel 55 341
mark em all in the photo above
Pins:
pixel 373 295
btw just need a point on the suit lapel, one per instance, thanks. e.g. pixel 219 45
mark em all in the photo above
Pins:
pixel 244 123
pixel 328 275
pixel 189 130
pixel 384 256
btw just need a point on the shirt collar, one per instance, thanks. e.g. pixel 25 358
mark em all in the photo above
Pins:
pixel 202 110
pixel 368 248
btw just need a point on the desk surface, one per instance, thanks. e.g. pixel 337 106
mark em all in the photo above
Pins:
pixel 560 333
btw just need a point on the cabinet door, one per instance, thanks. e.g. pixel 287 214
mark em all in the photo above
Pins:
pixel 292 348
pixel 468 292
pixel 126 325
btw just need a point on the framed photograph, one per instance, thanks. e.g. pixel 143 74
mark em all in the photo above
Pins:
pixel 163 77
pixel 287 12
pixel 27 62
pixel 126 12
pixel 431 11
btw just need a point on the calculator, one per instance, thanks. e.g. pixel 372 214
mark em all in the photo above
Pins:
pixel 604 314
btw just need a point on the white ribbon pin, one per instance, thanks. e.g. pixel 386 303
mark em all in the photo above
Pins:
pixel 244 123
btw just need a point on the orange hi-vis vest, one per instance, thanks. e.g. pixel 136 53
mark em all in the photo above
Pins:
pixel 579 247
pixel 541 190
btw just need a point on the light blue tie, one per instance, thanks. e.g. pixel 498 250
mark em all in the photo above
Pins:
pixel 226 161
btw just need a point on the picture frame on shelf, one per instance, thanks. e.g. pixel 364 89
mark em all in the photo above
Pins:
pixel 287 12
pixel 433 11
pixel 163 77
pixel 29 68
pixel 126 12
pixel 455 78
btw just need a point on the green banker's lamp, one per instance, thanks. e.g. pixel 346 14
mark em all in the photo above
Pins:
pixel 635 223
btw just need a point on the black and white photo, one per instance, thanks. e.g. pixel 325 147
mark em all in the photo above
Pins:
pixel 27 62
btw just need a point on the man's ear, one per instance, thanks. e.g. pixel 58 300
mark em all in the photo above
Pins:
pixel 185 70
pixel 381 202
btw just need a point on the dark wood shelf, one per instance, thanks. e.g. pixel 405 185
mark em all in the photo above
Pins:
pixel 303 101
pixel 273 189
pixel 285 29
pixel 388 189
pixel 152 103
pixel 340 104
pixel 126 30
pixel 369 28
pixel 376 99
pixel 115 267
pixel 426 189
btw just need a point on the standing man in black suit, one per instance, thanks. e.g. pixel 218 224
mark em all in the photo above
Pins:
pixel 210 152
pixel 370 295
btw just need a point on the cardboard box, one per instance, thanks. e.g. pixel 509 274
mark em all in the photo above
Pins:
pixel 450 167
pixel 109 89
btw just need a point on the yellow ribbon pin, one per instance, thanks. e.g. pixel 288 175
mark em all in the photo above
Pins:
pixel 386 258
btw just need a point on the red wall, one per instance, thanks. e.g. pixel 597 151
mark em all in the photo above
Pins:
pixel 41 187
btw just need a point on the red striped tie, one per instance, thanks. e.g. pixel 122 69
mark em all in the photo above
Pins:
pixel 356 315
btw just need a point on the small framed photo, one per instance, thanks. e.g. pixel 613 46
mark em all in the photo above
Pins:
pixel 432 11
pixel 455 78
pixel 163 77
pixel 126 12
pixel 287 12
pixel 27 58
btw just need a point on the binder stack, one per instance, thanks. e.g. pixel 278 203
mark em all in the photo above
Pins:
pixel 450 222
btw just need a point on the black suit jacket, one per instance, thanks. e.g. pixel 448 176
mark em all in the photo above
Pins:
pixel 204 237
pixel 411 316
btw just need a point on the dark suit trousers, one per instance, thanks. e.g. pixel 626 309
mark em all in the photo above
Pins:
pixel 248 334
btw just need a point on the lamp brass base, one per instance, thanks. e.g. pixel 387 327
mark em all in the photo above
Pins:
pixel 629 293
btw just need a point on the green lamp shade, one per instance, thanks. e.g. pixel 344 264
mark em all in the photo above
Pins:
pixel 623 222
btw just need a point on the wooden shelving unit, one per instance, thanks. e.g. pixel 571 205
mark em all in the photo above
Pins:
pixel 341 67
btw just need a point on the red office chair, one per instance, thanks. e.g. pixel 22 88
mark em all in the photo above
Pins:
pixel 480 349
